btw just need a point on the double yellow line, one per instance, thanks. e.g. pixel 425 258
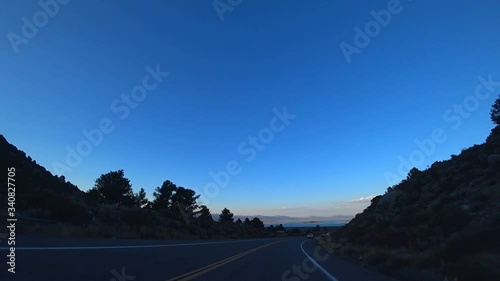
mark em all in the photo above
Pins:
pixel 198 272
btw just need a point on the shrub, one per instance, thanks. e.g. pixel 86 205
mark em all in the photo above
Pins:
pixel 71 212
pixel 450 218
pixel 471 241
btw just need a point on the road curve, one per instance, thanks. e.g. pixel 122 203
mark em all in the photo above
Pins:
pixel 284 259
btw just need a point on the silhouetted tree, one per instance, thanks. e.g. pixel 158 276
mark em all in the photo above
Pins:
pixel 226 217
pixel 115 188
pixel 140 198
pixel 280 227
pixel 271 228
pixel 495 112
pixel 389 189
pixel 238 222
pixel 184 198
pixel 163 196
pixel 92 197
pixel 257 224
pixel 413 173
pixel 205 218
pixel 184 204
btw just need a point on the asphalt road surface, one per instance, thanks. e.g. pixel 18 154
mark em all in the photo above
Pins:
pixel 281 259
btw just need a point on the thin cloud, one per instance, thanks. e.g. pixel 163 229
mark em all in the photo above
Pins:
pixel 362 199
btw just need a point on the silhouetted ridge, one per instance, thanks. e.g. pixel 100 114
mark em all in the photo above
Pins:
pixel 37 189
pixel 446 217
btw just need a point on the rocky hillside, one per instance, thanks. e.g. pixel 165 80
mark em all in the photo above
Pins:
pixel 37 189
pixel 445 220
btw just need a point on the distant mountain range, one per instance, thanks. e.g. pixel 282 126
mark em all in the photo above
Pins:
pixel 287 221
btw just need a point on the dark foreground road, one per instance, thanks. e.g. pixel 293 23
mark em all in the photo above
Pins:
pixel 286 259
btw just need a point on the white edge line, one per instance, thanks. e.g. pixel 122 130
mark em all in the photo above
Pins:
pixel 316 264
pixel 120 247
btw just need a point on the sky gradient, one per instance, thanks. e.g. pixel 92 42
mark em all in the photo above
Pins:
pixel 352 119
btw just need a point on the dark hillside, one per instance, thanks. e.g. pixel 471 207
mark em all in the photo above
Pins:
pixel 49 196
pixel 445 219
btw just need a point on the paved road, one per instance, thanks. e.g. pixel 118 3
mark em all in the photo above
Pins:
pixel 285 259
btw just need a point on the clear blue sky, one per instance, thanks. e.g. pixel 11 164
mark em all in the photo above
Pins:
pixel 353 120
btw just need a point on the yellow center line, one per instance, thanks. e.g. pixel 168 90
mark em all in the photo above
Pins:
pixel 203 270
